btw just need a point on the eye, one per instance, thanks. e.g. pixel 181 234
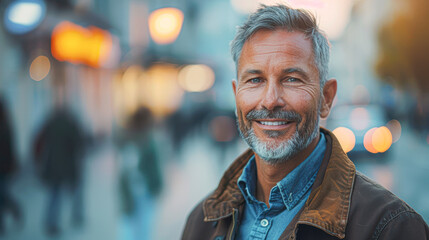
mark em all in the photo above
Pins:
pixel 255 80
pixel 292 79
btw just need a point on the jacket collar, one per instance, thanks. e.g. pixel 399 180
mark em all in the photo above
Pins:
pixel 227 197
pixel 327 207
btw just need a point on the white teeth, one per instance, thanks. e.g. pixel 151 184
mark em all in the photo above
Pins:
pixel 273 123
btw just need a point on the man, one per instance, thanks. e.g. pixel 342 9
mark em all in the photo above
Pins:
pixel 295 181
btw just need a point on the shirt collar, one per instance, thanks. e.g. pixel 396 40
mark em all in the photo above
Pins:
pixel 246 181
pixel 293 187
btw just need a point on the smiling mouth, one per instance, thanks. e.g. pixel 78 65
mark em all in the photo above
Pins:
pixel 272 123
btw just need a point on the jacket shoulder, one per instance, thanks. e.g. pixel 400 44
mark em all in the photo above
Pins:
pixel 367 192
pixel 376 211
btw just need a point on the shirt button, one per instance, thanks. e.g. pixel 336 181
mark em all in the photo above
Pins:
pixel 264 222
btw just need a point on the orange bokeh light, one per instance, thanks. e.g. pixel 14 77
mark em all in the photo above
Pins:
pixel 73 43
pixel 165 25
pixel 382 139
pixel 367 141
pixel 346 138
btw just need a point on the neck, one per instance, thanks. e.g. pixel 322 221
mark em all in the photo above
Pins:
pixel 268 175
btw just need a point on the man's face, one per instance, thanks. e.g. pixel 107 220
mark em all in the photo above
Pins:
pixel 278 95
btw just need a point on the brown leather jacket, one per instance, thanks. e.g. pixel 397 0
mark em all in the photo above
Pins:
pixel 343 204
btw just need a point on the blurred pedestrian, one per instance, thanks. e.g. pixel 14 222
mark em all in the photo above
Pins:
pixel 8 166
pixel 58 151
pixel 140 177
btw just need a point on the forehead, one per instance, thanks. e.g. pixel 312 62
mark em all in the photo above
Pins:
pixel 277 43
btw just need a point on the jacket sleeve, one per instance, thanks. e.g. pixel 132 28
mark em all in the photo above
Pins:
pixel 406 225
pixel 192 223
pixel 196 228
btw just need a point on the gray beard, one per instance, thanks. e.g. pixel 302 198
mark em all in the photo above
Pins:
pixel 273 154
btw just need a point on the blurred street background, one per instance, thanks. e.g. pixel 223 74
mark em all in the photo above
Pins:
pixel 117 117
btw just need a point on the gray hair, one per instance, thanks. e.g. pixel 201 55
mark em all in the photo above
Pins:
pixel 284 17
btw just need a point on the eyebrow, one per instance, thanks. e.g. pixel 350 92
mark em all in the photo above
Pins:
pixel 253 71
pixel 297 70
pixel 250 72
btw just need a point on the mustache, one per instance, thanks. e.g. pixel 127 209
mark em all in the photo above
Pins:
pixel 278 114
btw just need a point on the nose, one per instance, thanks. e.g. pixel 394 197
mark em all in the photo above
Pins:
pixel 273 97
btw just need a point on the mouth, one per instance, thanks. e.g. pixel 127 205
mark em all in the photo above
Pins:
pixel 273 124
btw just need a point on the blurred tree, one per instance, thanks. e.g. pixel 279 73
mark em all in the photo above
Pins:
pixel 403 58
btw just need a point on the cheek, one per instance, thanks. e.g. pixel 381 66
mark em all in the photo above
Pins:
pixel 304 102
pixel 301 102
pixel 247 100
pixel 241 123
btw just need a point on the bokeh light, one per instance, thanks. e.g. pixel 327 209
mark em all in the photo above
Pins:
pixel 165 25
pixel 130 87
pixel 346 137
pixel 73 43
pixel 196 78
pixel 160 91
pixel 155 88
pixel 382 139
pixel 395 128
pixel 40 68
pixel 23 16
pixel 222 128
pixel 368 141
pixel 359 118
pixel 25 13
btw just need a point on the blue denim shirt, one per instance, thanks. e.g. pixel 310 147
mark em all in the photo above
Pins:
pixel 286 198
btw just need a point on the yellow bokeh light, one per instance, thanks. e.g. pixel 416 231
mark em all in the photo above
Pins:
pixel 160 91
pixel 156 88
pixel 382 139
pixel 165 25
pixel 196 78
pixel 40 68
pixel 346 137
pixel 368 142
pixel 130 88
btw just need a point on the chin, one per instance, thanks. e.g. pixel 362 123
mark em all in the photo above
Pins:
pixel 273 152
pixel 274 156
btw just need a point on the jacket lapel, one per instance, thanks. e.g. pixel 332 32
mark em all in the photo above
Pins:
pixel 328 206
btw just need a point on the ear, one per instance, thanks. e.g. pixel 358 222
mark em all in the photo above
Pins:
pixel 234 86
pixel 329 92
